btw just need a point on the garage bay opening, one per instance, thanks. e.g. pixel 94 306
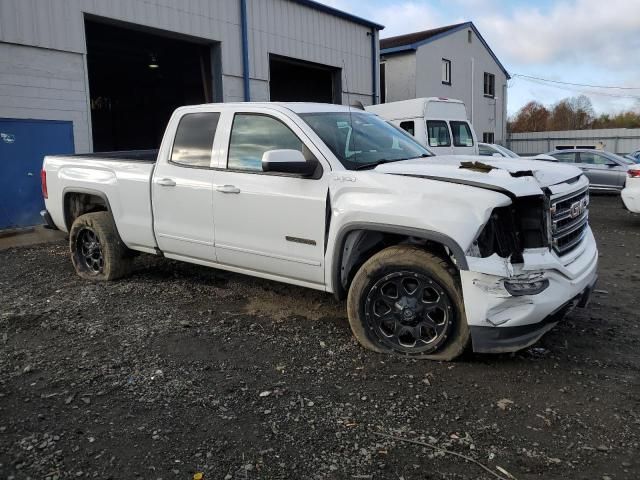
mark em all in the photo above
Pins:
pixel 137 78
pixel 294 80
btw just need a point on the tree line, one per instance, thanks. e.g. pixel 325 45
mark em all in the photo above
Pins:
pixel 573 113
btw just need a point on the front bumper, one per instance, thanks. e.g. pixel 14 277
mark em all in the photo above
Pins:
pixel 511 339
pixel 501 322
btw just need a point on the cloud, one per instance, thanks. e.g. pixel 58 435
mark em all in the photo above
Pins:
pixel 593 31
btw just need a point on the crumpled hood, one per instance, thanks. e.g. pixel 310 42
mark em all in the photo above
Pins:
pixel 517 176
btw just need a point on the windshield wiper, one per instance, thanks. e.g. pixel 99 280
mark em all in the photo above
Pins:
pixel 364 166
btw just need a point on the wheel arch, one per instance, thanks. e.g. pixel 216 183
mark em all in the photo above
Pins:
pixel 356 242
pixel 79 200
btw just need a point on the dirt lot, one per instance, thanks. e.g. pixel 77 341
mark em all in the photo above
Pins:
pixel 182 369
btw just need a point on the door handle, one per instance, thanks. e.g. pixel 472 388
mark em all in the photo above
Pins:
pixel 166 182
pixel 228 189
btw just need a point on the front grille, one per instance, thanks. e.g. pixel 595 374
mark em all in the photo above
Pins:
pixel 569 220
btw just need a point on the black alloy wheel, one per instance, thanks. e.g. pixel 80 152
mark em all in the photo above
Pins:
pixel 409 312
pixel 89 251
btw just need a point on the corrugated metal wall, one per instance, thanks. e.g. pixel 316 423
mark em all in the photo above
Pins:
pixel 50 81
pixel 616 140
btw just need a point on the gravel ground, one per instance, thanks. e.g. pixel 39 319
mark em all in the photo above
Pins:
pixel 181 369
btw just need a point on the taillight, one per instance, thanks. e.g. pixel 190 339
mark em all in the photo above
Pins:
pixel 43 180
pixel 634 173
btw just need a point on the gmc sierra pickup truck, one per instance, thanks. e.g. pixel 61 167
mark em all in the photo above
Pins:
pixel 434 254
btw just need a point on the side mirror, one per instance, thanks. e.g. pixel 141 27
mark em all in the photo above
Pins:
pixel 287 161
pixel 496 154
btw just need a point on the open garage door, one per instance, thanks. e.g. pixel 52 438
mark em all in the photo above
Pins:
pixel 136 79
pixel 293 80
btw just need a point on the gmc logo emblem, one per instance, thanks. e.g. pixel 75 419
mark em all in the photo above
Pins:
pixel 578 208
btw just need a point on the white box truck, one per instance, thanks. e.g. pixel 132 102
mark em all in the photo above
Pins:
pixel 438 123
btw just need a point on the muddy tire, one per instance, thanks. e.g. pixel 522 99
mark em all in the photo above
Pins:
pixel 407 301
pixel 97 252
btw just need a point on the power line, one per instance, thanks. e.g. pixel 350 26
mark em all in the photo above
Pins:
pixel 576 90
pixel 574 84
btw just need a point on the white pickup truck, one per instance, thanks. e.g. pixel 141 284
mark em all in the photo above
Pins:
pixel 433 253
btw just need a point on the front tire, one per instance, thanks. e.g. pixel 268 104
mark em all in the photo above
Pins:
pixel 407 301
pixel 97 252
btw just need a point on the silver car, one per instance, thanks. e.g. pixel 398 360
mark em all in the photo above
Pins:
pixel 606 171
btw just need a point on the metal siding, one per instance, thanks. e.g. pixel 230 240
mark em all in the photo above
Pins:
pixel 56 28
pixel 39 83
pixel 616 140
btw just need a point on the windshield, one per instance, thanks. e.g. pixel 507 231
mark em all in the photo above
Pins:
pixel 360 139
pixel 506 151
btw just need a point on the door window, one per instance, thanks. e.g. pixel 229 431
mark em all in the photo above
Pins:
pixel 438 133
pixel 568 157
pixel 461 134
pixel 194 139
pixel 253 135
pixel 593 158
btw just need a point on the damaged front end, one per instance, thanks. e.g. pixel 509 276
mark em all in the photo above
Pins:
pixel 522 225
pixel 530 263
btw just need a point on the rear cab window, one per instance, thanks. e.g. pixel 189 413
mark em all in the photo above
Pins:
pixel 462 136
pixel 193 143
pixel 438 133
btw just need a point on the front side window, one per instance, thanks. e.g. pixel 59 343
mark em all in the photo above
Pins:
pixel 446 71
pixel 462 136
pixel 253 135
pixel 360 139
pixel 568 157
pixel 593 158
pixel 438 133
pixel 489 85
pixel 194 139
pixel 409 127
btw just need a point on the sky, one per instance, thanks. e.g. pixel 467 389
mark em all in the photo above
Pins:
pixel 594 42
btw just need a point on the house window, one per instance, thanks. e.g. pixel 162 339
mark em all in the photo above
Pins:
pixel 469 37
pixel 488 137
pixel 489 85
pixel 446 71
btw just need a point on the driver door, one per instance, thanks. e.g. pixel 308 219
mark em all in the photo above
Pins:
pixel 267 222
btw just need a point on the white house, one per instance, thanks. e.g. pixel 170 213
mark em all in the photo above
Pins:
pixel 454 62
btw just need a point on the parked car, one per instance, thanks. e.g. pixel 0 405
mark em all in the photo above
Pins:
pixel 438 123
pixel 631 193
pixel 606 171
pixel 432 253
pixel 495 150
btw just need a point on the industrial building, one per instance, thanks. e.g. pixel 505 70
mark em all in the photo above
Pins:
pixel 90 75
pixel 452 61
pixel 615 140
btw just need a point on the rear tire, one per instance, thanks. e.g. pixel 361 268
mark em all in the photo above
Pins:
pixel 97 252
pixel 407 301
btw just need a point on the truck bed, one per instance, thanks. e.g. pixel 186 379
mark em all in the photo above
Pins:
pixel 121 179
